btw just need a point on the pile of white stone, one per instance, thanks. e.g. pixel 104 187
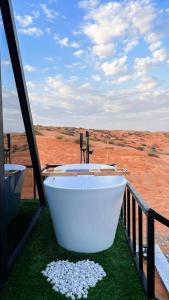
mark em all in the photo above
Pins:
pixel 73 279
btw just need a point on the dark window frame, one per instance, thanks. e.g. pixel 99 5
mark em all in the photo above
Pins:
pixel 17 66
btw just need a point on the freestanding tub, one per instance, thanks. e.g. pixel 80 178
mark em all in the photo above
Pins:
pixel 13 188
pixel 85 210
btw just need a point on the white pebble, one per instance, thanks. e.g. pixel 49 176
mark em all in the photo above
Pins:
pixel 73 279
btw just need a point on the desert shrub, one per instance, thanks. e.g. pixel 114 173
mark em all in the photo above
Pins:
pixel 59 137
pixel 139 133
pixel 130 133
pixel 37 131
pixel 153 154
pixel 93 138
pixel 140 148
pixel 117 143
pixel 71 133
pixel 165 153
pixel 77 141
pixel 166 134
pixel 119 138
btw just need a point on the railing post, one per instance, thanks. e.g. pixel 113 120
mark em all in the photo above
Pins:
pixel 140 238
pixel 150 255
pixel 124 210
pixel 128 212
pixel 134 224
pixel 34 185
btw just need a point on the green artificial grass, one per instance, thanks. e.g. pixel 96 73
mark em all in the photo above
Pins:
pixel 18 226
pixel 27 283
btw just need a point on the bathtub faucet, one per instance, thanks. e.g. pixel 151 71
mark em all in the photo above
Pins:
pixel 87 147
pixel 85 152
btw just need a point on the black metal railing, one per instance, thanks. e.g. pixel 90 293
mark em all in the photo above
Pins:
pixel 133 209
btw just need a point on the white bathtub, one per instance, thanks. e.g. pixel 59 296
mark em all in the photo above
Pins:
pixel 85 210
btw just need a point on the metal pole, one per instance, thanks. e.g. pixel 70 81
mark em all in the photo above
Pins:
pixel 87 147
pixel 140 238
pixel 81 146
pixel 3 229
pixel 9 146
pixel 150 255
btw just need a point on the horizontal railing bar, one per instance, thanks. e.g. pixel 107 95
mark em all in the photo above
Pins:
pixel 161 219
pixel 138 198
pixel 53 166
pixel 29 166
pixel 43 169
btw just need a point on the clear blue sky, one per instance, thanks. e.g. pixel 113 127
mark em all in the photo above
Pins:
pixel 96 63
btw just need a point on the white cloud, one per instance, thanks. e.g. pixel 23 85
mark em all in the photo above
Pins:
pixel 147 85
pixel 96 77
pixel 130 45
pixel 30 68
pixel 115 67
pixel 35 14
pixel 152 37
pixel 48 30
pixel 64 42
pixel 155 46
pixel 142 14
pixel 167 10
pixel 114 19
pixel 74 45
pixel 144 64
pixel 160 54
pixel 49 13
pixel 49 58
pixel 123 79
pixel 60 87
pixel 60 101
pixel 78 53
pixel 6 62
pixel 31 85
pixel 25 20
pixel 104 30
pixel 113 23
pixel 104 50
pixel 76 32
pixel 88 4
pixel 31 31
pixel 85 85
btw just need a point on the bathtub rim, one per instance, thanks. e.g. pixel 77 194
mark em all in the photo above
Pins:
pixel 14 167
pixel 124 181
